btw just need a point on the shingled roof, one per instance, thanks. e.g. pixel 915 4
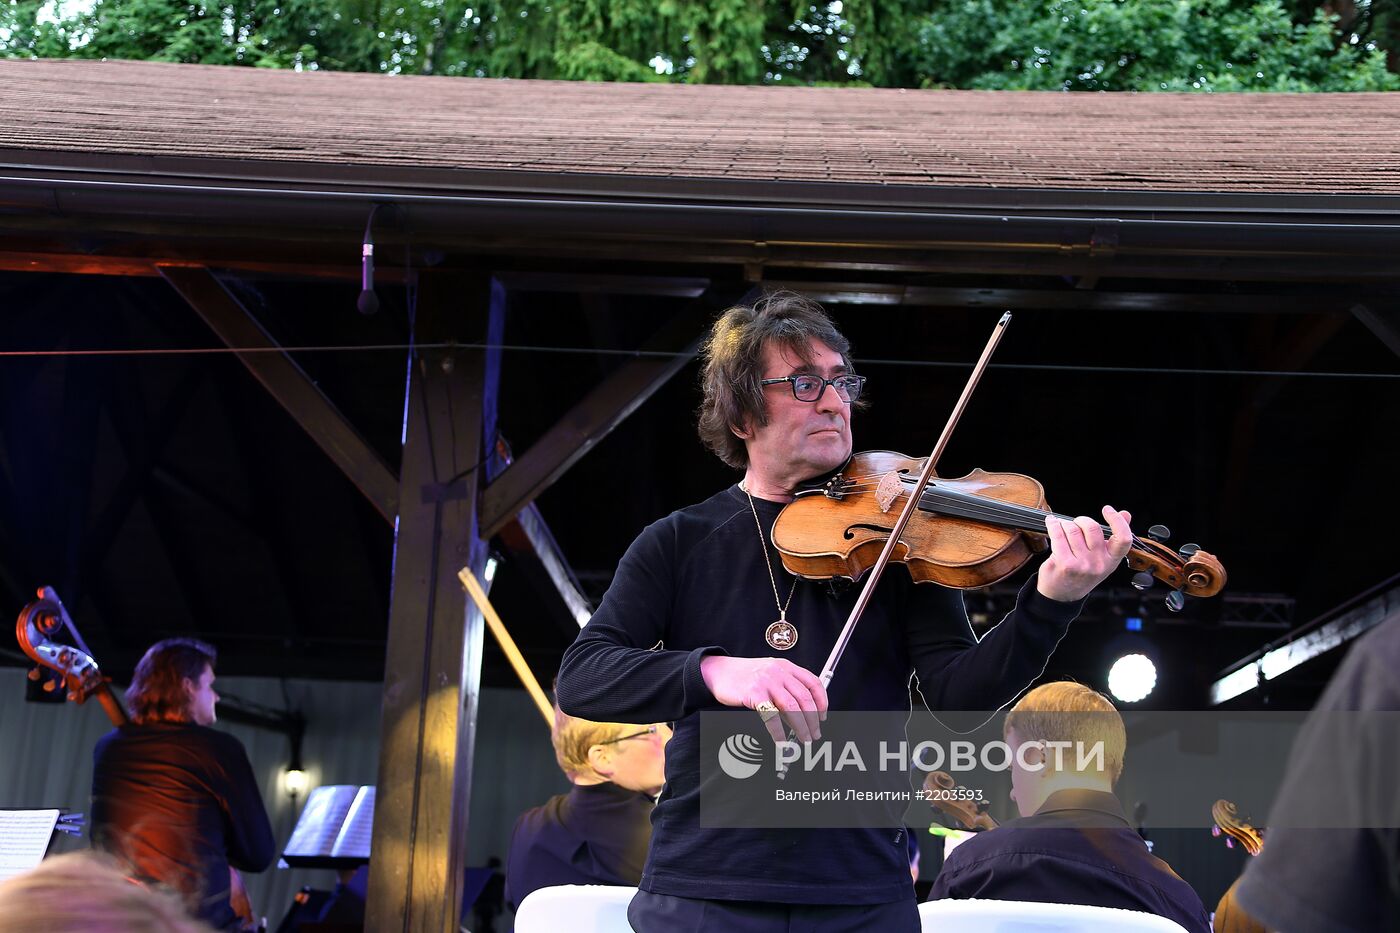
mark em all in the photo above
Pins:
pixel 133 114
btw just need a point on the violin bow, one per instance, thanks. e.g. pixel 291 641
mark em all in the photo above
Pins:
pixel 878 569
pixel 873 577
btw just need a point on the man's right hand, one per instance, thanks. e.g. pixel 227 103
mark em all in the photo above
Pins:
pixel 748 682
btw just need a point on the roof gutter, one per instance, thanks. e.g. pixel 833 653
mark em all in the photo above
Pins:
pixel 334 211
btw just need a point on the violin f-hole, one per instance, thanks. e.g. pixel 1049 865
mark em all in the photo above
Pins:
pixel 849 533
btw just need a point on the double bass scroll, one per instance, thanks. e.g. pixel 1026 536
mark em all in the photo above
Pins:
pixel 39 622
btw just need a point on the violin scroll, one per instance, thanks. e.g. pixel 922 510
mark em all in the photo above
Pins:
pixel 1226 816
pixel 1189 571
pixel 940 790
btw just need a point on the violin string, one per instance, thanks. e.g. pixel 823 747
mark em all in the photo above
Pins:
pixel 1028 519
pixel 1009 509
pixel 1034 518
pixel 979 508
pixel 961 505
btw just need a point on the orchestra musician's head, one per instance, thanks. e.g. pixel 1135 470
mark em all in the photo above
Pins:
pixel 174 682
pixel 628 755
pixel 768 408
pixel 1063 712
pixel 87 892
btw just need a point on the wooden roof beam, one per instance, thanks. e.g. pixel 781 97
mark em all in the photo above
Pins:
pixel 288 384
pixel 149 266
pixel 601 410
pixel 527 536
pixel 1383 322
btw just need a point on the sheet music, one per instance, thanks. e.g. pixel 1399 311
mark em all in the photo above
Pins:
pixel 24 838
pixel 354 838
pixel 320 822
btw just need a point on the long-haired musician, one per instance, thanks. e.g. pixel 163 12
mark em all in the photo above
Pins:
pixel 173 798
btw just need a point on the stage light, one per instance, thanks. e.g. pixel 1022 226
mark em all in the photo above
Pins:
pixel 1132 677
pixel 295 781
pixel 490 570
pixel 1133 623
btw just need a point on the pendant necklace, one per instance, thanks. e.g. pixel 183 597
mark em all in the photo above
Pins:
pixel 781 635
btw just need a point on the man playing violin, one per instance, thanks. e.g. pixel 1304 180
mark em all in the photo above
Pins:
pixel 701 615
pixel 174 799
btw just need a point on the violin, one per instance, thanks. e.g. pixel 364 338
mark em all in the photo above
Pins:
pixel 970 532
pixel 965 533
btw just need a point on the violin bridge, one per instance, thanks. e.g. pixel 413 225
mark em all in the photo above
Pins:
pixel 889 489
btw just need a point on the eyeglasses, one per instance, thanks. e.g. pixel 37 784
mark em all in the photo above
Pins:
pixel 649 730
pixel 810 388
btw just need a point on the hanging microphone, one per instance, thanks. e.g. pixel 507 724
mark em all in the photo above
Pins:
pixel 369 301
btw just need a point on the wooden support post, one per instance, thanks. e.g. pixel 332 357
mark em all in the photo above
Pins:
pixel 433 662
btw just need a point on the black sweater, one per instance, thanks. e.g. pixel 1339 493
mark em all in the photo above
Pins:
pixel 594 834
pixel 694 584
pixel 180 803
pixel 1078 848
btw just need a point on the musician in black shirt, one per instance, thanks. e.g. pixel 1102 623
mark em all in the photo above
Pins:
pixel 174 799
pixel 599 832
pixel 1072 844
pixel 702 615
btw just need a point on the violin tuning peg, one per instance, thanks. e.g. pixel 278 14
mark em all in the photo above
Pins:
pixel 34 674
pixel 1142 580
pixel 49 685
pixel 1187 551
pixel 1176 600
pixel 1229 843
pixel 1159 533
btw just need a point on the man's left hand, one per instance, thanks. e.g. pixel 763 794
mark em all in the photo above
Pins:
pixel 1080 557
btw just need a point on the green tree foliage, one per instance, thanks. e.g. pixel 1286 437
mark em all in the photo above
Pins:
pixel 1180 45
pixel 26 30
pixel 1143 45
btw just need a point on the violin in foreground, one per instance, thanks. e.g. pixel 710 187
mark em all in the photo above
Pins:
pixel 967 532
